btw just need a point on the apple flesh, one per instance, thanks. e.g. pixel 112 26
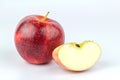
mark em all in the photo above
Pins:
pixel 36 37
pixel 77 56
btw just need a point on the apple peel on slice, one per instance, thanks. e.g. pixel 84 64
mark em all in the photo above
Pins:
pixel 77 57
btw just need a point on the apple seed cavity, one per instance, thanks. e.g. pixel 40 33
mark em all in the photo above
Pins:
pixel 77 45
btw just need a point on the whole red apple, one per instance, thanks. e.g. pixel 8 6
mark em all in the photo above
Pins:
pixel 36 37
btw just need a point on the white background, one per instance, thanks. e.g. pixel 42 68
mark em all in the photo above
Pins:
pixel 97 20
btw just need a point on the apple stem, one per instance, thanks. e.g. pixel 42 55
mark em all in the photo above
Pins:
pixel 77 45
pixel 44 19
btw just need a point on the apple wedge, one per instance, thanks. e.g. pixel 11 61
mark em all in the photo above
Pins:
pixel 77 56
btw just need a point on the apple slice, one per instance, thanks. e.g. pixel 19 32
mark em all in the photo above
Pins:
pixel 77 56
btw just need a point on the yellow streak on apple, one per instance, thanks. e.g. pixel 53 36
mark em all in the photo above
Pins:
pixel 79 59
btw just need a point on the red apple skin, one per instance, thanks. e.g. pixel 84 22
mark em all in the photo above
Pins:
pixel 56 58
pixel 35 39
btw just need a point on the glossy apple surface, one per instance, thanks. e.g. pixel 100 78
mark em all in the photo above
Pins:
pixel 36 38
pixel 77 56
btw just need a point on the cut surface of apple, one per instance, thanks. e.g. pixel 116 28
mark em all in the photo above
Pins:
pixel 77 56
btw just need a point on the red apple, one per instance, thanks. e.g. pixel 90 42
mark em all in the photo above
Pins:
pixel 36 37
